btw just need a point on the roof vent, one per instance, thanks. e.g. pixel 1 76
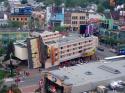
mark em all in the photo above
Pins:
pixel 88 73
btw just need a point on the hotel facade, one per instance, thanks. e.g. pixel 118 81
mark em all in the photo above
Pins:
pixel 51 48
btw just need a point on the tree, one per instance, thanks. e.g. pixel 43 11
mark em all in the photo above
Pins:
pixel 9 51
pixel 4 89
pixel 100 8
pixel 58 2
pixel 60 28
pixel 15 24
pixel 2 51
pixel 24 2
pixel 49 2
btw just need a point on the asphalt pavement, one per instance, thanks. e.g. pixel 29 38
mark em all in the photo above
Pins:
pixel 105 53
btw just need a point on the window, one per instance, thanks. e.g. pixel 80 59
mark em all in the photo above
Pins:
pixel 68 46
pixel 61 47
pixel 25 19
pixel 74 22
pixel 25 23
pixel 82 22
pixel 82 17
pixel 90 40
pixel 74 17
pixel 13 18
pixel 68 50
pixel 56 54
pixel 17 19
pixel 21 18
pixel 74 44
pixel 80 51
pixel 80 47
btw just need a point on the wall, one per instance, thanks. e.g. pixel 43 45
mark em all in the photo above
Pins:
pixel 21 52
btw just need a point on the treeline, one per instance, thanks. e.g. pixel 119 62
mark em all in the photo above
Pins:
pixel 102 4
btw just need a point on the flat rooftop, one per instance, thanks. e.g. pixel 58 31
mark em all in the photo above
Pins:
pixel 92 73
pixel 69 39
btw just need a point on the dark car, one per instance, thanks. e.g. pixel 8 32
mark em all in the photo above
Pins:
pixel 101 49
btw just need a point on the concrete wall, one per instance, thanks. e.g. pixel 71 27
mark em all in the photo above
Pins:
pixel 21 52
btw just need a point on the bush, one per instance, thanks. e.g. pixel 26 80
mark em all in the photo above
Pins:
pixel 4 89
pixel 60 28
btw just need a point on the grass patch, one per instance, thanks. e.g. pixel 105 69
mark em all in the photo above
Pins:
pixel 2 74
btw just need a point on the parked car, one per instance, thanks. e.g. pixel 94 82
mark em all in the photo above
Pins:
pixel 100 48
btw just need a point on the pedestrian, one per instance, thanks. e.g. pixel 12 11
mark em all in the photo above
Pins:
pixel 39 69
pixel 27 73
pixel 24 72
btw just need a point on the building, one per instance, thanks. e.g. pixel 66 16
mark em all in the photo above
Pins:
pixel 84 78
pixel 39 19
pixel 48 14
pixel 24 19
pixel 107 21
pixel 51 48
pixel 2 7
pixel 55 16
pixel 20 13
pixel 73 18
pixel 7 35
pixel 3 19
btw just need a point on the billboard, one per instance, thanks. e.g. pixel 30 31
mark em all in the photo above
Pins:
pixel 121 52
pixel 23 10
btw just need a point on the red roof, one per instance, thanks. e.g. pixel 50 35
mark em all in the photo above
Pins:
pixel 93 20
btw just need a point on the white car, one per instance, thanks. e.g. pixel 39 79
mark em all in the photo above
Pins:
pixel 8 79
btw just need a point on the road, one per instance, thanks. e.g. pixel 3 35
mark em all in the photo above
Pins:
pixel 105 53
pixel 29 83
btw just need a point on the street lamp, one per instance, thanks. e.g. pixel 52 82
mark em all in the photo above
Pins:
pixel 11 64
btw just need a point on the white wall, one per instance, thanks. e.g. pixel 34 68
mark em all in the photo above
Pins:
pixel 94 15
pixel 48 14
pixel 21 52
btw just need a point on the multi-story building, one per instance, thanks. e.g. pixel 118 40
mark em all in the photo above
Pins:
pixel 74 18
pixel 38 18
pixel 55 49
pixel 3 19
pixel 2 7
pixel 24 19
pixel 55 16
pixel 20 13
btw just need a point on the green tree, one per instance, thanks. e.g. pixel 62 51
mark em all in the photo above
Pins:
pixel 100 8
pixel 4 89
pixel 24 2
pixel 60 28
pixel 2 51
pixel 49 2
pixel 9 51
pixel 15 24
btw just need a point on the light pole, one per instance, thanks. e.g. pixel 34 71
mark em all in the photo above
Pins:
pixel 11 64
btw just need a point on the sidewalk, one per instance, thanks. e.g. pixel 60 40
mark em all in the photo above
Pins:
pixel 29 89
